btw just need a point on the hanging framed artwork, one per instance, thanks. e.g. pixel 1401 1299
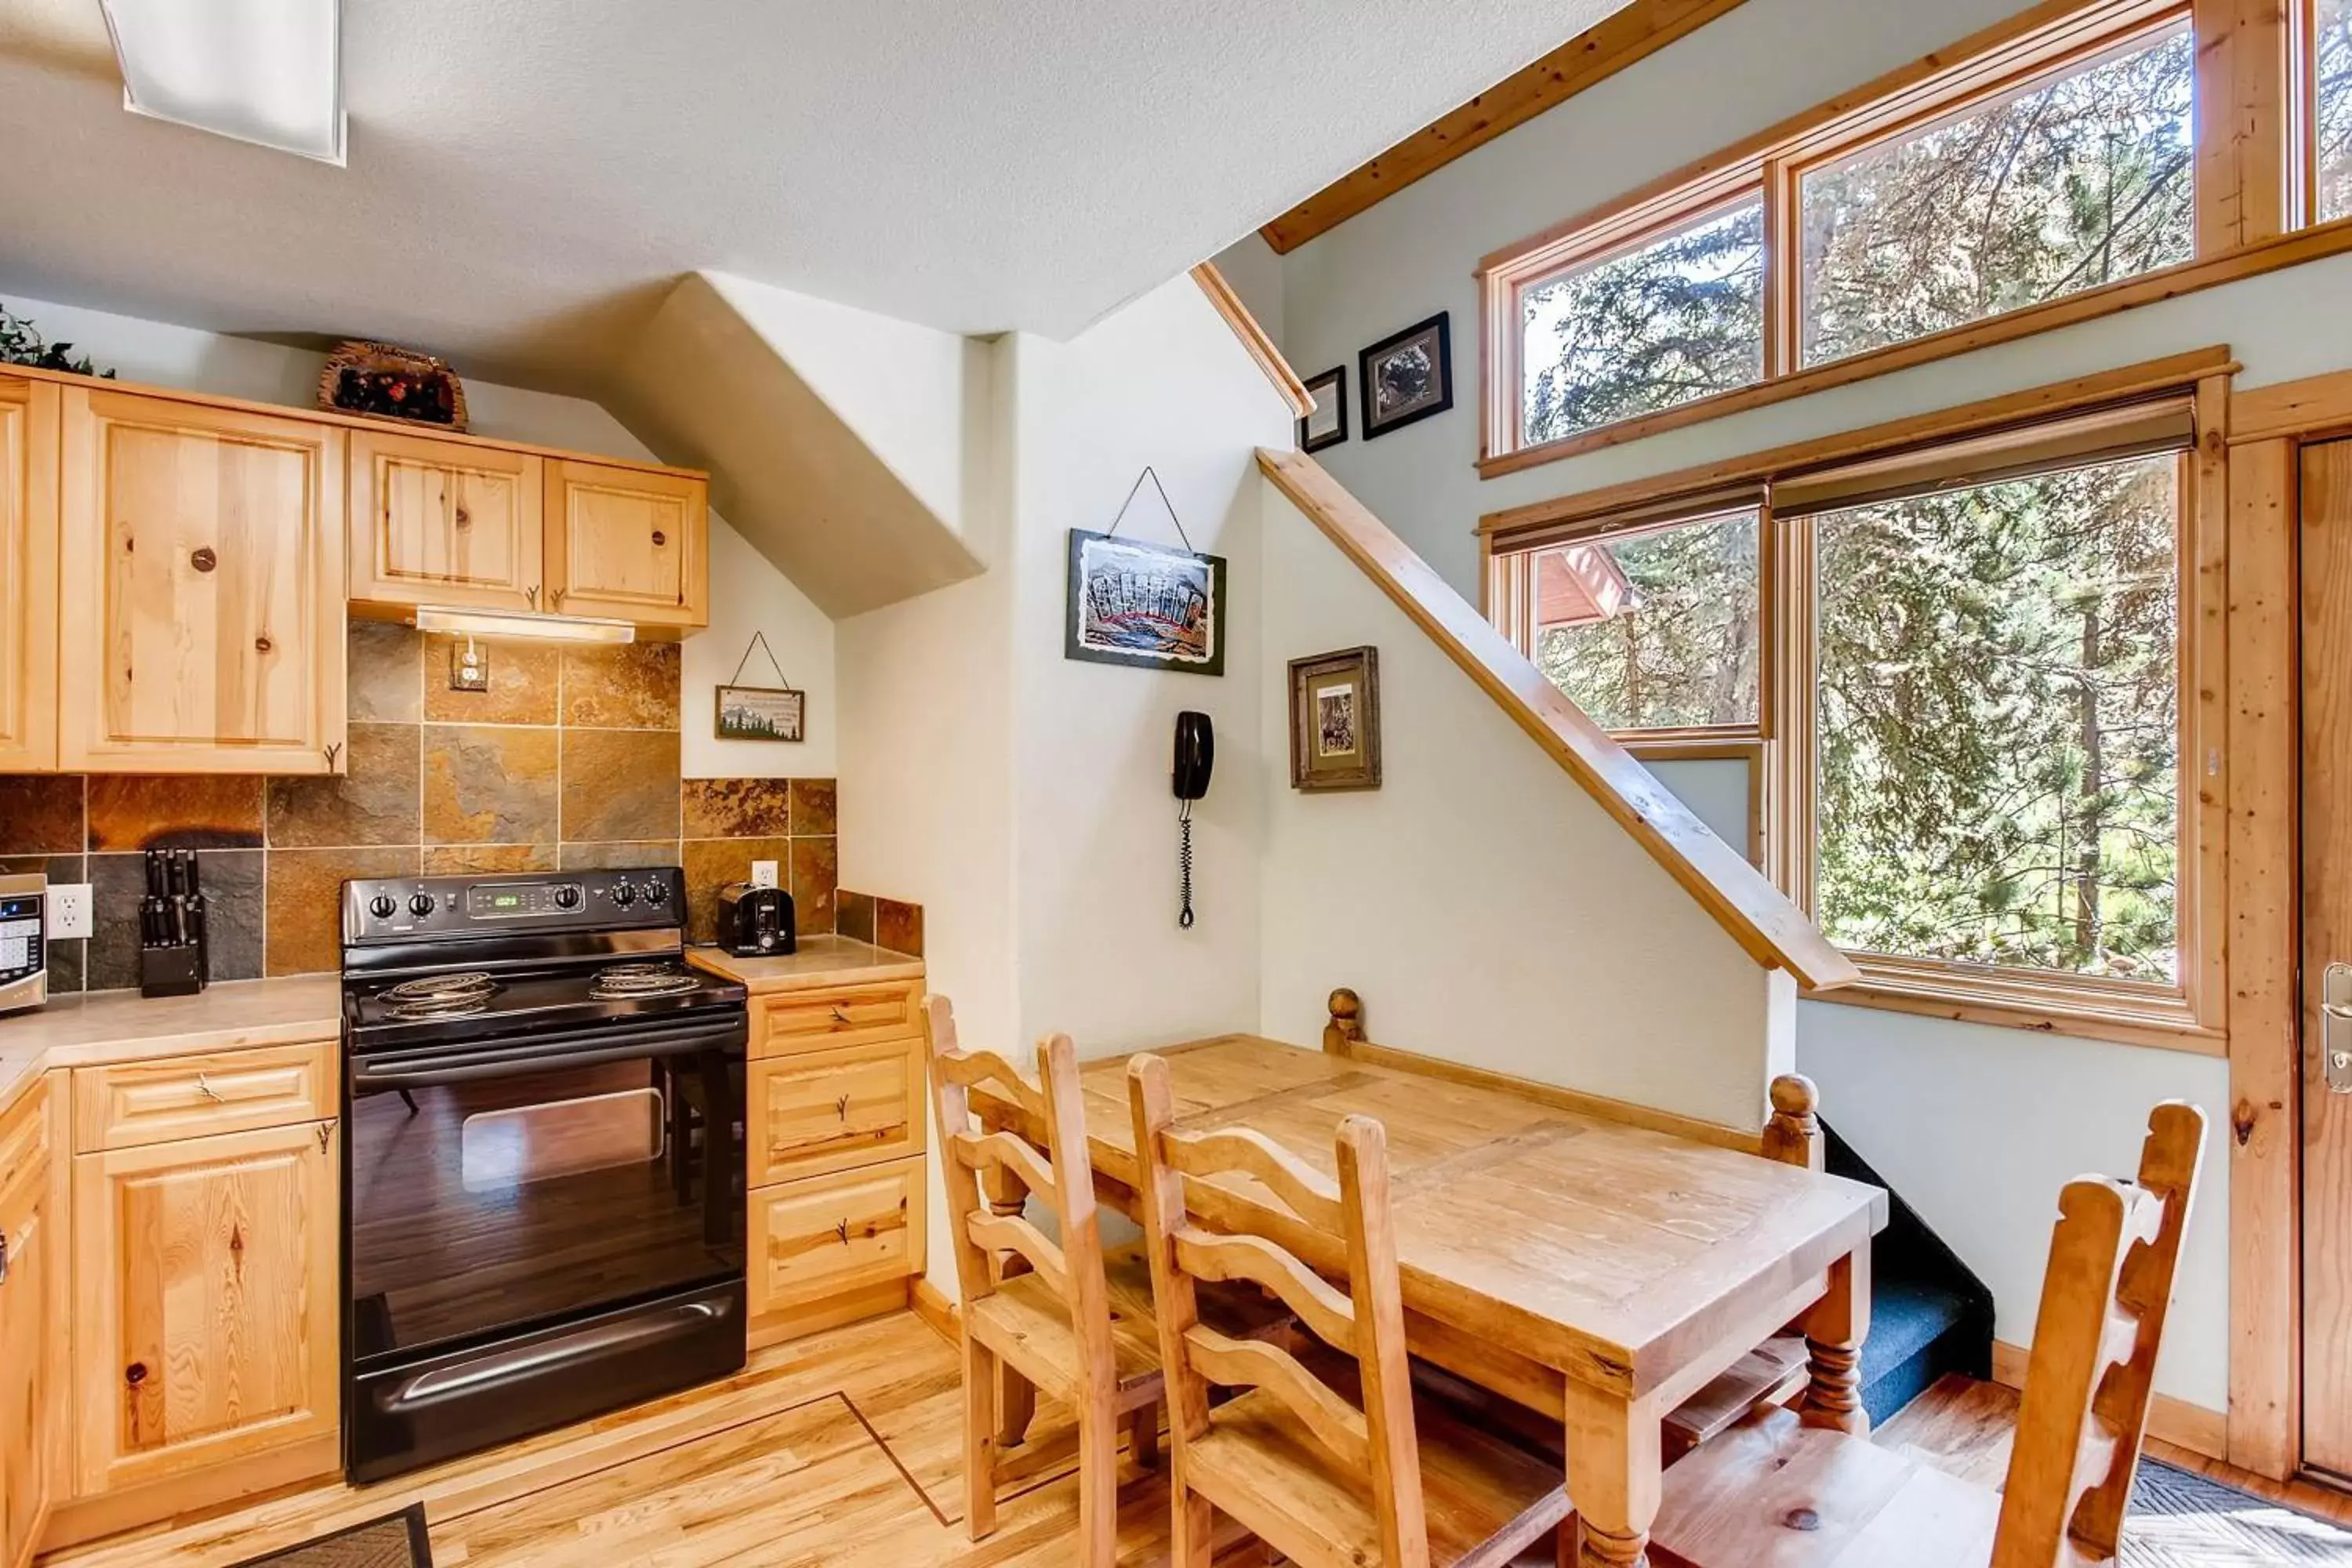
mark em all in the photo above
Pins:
pixel 778 712
pixel 1325 424
pixel 1408 377
pixel 1335 720
pixel 1150 606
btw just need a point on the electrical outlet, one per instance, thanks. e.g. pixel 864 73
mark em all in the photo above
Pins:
pixel 469 666
pixel 68 910
pixel 763 873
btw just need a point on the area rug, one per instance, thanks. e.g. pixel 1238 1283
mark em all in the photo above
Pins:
pixel 396 1541
pixel 2181 1519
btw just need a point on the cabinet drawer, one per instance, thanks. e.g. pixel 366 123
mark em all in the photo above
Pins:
pixel 829 1109
pixel 24 1138
pixel 836 1016
pixel 831 1234
pixel 134 1103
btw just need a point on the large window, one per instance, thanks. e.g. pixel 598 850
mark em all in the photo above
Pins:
pixel 1961 670
pixel 1997 723
pixel 2055 161
pixel 2329 56
pixel 2079 179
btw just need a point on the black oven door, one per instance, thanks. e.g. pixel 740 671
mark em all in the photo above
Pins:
pixel 499 1186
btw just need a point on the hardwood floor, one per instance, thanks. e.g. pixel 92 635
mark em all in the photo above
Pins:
pixel 841 1449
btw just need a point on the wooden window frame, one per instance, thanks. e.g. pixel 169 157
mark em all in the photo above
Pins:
pixel 2241 133
pixel 2190 1015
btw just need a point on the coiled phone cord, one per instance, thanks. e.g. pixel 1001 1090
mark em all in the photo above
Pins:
pixel 1184 862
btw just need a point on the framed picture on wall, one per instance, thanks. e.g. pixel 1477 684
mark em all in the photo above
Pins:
pixel 1326 424
pixel 1149 606
pixel 1335 720
pixel 1407 377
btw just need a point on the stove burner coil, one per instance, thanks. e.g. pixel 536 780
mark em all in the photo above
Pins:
pixel 459 1006
pixel 463 986
pixel 623 981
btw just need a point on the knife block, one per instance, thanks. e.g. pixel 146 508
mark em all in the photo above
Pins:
pixel 174 960
pixel 175 971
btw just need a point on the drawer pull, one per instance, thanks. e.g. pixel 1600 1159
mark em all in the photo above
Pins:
pixel 841 1108
pixel 842 1230
pixel 840 1013
pixel 208 1091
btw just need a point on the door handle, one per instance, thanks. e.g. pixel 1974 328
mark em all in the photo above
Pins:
pixel 2336 1028
pixel 207 1090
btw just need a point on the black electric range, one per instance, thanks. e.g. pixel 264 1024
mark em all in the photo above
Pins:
pixel 544 1159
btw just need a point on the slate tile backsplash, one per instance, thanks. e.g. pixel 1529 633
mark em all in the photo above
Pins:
pixel 569 761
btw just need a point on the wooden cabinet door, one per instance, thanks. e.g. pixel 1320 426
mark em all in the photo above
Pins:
pixel 833 1235
pixel 203 551
pixel 206 1284
pixel 30 1415
pixel 828 1111
pixel 629 544
pixel 443 522
pixel 28 576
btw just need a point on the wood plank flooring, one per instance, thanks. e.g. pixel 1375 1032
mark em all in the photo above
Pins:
pixel 841 1449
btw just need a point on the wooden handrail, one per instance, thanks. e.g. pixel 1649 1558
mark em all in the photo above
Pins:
pixel 1768 927
pixel 1253 336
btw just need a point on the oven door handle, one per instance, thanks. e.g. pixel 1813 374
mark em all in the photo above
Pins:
pixel 468 1063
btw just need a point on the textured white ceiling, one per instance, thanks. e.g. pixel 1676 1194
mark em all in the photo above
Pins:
pixel 527 178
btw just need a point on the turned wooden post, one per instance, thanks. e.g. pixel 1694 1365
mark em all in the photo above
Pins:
pixel 1346 1029
pixel 1792 1133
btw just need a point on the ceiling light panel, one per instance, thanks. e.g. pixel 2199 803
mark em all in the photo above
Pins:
pixel 265 71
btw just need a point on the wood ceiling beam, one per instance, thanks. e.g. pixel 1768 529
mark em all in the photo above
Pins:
pixel 1634 32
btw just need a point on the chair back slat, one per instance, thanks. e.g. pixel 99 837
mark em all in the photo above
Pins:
pixel 1245 1151
pixel 1229 1363
pixel 1010 1233
pixel 1004 1151
pixel 1205 1255
pixel 1371 1327
pixel 2092 1371
pixel 992 1176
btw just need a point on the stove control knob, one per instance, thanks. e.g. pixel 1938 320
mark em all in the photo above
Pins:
pixel 382 907
pixel 567 897
pixel 421 905
pixel 656 893
pixel 623 894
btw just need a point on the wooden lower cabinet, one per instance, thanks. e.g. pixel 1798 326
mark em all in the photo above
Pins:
pixel 825 1111
pixel 825 1249
pixel 206 1322
pixel 32 1329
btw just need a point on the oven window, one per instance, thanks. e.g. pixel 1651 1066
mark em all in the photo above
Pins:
pixel 487 1206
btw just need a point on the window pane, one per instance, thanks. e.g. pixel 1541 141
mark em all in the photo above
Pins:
pixel 1677 319
pixel 2080 181
pixel 1998 722
pixel 1653 630
pixel 2332 53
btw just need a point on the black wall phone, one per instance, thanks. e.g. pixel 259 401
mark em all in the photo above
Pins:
pixel 1196 758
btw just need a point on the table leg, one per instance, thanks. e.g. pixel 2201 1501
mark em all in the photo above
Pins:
pixel 1835 1327
pixel 1614 1465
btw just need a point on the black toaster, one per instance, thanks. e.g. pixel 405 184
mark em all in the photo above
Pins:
pixel 755 922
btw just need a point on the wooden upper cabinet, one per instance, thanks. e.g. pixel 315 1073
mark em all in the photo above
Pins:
pixel 445 522
pixel 205 1289
pixel 28 576
pixel 203 553
pixel 630 543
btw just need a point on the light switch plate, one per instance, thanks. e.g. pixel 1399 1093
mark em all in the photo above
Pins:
pixel 763 873
pixel 68 910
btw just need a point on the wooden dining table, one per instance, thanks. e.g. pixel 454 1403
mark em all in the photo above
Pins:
pixel 1595 1270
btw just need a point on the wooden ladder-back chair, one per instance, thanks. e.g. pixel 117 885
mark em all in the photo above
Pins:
pixel 1336 1470
pixel 1771 1489
pixel 1068 1317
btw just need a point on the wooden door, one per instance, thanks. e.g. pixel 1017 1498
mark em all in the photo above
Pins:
pixel 28 576
pixel 2326 572
pixel 206 1285
pixel 444 523
pixel 630 543
pixel 203 551
pixel 29 1412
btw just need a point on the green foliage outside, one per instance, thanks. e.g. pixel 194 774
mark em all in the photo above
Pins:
pixel 1686 652
pixel 1999 717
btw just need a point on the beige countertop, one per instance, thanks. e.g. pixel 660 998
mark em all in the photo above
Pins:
pixel 123 1025
pixel 821 961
